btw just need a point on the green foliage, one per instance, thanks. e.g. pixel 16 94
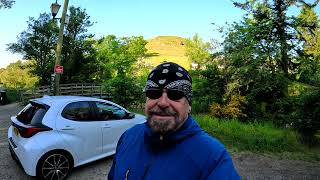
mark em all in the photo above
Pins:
pixel 251 137
pixel 6 4
pixel 13 95
pixel 37 43
pixel 197 51
pixel 17 76
pixel 301 113
pixel 117 56
pixel 208 87
pixel 78 54
pixel 308 113
pixel 308 31
pixel 126 91
pixel 232 109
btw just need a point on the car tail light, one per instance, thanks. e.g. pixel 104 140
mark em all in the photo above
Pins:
pixel 29 131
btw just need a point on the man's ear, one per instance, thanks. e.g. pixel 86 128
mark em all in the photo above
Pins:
pixel 189 109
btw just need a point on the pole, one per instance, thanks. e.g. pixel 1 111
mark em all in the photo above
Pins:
pixel 56 90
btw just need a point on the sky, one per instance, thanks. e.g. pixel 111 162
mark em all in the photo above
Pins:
pixel 148 18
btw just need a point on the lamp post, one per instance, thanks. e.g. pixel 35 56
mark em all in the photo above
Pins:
pixel 54 10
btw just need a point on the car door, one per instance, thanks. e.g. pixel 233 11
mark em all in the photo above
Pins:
pixel 80 130
pixel 114 124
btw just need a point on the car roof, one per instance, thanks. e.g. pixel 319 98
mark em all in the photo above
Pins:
pixel 49 100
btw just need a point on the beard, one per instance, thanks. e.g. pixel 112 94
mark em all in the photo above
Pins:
pixel 163 126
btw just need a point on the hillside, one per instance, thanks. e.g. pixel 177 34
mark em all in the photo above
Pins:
pixel 166 48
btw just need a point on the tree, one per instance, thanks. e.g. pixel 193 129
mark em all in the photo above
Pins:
pixel 6 3
pixel 118 55
pixel 37 43
pixel 17 76
pixel 262 53
pixel 197 51
pixel 77 47
pixel 308 31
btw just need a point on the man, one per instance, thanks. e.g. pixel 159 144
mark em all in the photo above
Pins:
pixel 170 145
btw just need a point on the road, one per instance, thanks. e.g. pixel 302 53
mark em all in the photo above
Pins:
pixel 9 169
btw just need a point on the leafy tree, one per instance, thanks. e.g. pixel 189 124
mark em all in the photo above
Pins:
pixel 77 48
pixel 117 56
pixel 276 31
pixel 262 53
pixel 208 87
pixel 6 3
pixel 37 43
pixel 17 76
pixel 197 51
pixel 125 90
pixel 309 32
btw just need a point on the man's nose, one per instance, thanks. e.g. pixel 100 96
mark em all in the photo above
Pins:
pixel 163 101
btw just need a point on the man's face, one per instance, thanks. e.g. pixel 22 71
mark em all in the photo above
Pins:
pixel 165 115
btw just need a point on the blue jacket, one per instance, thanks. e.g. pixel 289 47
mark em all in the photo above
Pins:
pixel 188 153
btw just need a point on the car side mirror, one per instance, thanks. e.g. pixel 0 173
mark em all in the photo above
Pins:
pixel 131 115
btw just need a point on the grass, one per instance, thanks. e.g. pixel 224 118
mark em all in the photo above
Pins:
pixel 167 48
pixel 255 137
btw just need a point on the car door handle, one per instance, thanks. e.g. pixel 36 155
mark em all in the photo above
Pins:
pixel 106 126
pixel 67 128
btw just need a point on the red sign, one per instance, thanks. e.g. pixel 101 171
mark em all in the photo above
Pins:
pixel 58 69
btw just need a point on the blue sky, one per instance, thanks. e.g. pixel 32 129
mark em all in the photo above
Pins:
pixel 149 18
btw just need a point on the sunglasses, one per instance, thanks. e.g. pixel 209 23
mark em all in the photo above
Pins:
pixel 171 93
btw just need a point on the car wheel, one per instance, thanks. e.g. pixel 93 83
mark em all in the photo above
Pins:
pixel 55 165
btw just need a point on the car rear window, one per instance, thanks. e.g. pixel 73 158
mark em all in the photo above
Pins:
pixel 32 114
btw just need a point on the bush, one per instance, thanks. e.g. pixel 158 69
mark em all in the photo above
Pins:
pixel 308 121
pixel 301 113
pixel 232 109
pixel 13 95
pixel 126 91
pixel 207 88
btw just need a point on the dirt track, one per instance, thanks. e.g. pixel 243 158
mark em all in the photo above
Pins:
pixel 250 166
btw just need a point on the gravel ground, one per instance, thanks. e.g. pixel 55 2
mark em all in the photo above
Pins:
pixel 250 166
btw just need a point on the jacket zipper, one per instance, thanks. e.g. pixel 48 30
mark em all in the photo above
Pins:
pixel 127 174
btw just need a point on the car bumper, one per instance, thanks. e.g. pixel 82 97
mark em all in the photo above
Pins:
pixel 28 163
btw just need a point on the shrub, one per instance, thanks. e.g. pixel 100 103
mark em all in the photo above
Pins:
pixel 308 121
pixel 125 91
pixel 233 108
pixel 207 87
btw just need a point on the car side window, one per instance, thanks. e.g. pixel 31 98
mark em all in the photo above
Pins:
pixel 79 111
pixel 109 112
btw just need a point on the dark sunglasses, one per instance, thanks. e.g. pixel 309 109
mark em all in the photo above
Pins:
pixel 171 93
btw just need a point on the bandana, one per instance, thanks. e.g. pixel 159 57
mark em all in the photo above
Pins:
pixel 170 75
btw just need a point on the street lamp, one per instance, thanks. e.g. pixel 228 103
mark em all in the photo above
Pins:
pixel 54 10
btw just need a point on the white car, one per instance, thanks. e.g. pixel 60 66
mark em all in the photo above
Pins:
pixel 53 134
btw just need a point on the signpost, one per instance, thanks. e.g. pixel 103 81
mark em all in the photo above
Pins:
pixel 58 69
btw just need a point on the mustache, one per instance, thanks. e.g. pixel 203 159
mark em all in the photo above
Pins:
pixel 163 112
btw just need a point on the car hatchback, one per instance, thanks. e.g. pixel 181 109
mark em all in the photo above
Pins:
pixel 53 134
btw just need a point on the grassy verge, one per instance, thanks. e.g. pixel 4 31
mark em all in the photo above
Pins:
pixel 256 137
pixel 261 138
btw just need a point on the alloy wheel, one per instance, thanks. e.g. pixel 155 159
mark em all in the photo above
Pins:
pixel 55 167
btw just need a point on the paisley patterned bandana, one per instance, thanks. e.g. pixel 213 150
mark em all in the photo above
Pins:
pixel 172 76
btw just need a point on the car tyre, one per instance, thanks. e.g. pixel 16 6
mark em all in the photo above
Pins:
pixel 54 165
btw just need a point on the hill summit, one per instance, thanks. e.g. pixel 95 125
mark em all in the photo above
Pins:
pixel 167 48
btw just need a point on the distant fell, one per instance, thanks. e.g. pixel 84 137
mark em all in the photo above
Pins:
pixel 166 48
